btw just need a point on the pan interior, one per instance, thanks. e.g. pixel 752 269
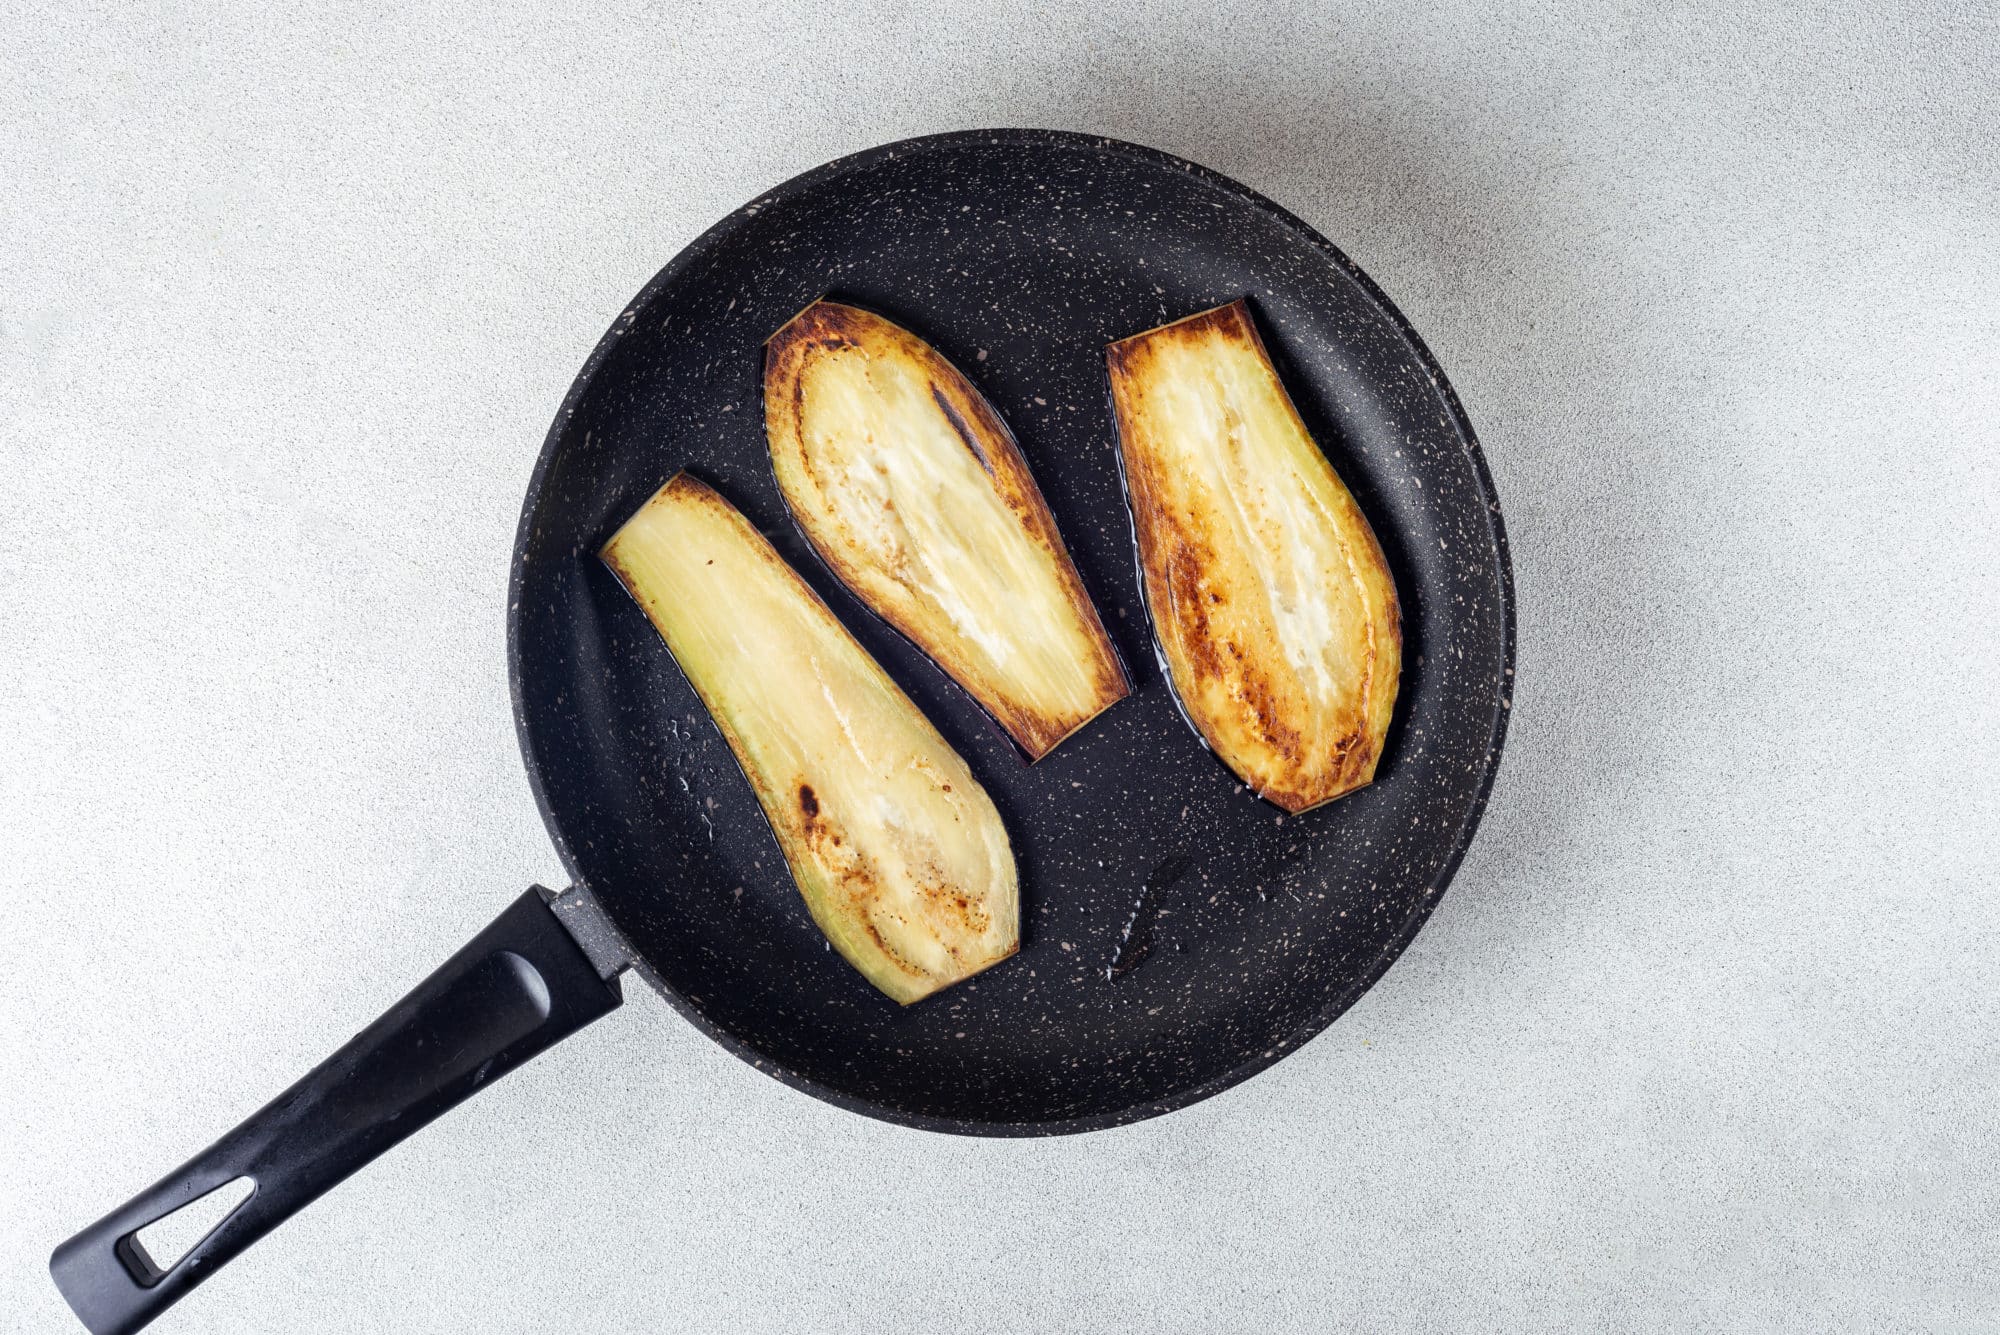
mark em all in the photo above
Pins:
pixel 1018 255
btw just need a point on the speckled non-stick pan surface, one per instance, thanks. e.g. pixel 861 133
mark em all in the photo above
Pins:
pixel 1019 255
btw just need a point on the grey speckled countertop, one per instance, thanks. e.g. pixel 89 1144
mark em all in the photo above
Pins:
pixel 1703 1035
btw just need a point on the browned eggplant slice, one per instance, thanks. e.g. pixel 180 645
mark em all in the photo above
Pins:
pixel 1273 606
pixel 899 853
pixel 912 490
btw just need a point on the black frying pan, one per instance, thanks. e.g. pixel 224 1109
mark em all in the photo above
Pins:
pixel 1019 255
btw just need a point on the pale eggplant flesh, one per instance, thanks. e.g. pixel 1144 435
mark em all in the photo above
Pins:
pixel 1271 602
pixel 899 853
pixel 913 491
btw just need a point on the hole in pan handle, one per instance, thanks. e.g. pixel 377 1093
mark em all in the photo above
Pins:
pixel 542 970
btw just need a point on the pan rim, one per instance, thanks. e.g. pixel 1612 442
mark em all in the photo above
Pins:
pixel 1340 1001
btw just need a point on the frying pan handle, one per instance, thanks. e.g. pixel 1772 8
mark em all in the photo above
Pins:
pixel 521 985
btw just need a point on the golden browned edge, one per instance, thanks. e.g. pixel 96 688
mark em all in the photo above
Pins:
pixel 831 322
pixel 1123 360
pixel 796 315
pixel 1364 761
pixel 769 799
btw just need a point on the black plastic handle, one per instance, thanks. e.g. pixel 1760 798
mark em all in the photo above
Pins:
pixel 519 987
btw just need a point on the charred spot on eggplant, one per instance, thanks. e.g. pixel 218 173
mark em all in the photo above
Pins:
pixel 897 850
pixel 912 490
pixel 1273 607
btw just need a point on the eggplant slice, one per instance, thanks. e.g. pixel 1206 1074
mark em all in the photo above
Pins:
pixel 1273 608
pixel 899 853
pixel 912 490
